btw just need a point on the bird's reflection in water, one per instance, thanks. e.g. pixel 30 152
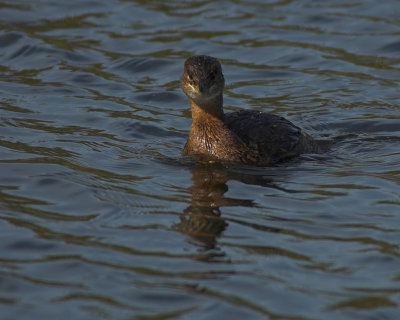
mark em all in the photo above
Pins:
pixel 202 219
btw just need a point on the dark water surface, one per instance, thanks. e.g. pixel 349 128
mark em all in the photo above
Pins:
pixel 100 216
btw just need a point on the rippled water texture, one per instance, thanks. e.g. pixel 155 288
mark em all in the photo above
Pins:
pixel 101 218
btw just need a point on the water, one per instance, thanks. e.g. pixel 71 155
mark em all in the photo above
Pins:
pixel 100 216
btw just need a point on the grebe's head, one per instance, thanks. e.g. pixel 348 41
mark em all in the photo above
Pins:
pixel 202 79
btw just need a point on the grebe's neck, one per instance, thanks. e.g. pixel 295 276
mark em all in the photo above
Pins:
pixel 210 108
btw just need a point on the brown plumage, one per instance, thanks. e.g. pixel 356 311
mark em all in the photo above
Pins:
pixel 246 136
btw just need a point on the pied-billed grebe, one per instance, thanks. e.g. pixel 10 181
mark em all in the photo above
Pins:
pixel 247 136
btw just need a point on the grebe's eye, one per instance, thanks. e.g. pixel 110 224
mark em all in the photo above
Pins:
pixel 190 78
pixel 212 75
